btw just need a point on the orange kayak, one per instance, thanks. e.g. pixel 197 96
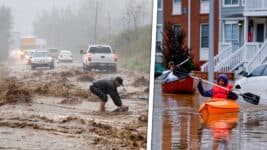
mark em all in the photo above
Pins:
pixel 219 106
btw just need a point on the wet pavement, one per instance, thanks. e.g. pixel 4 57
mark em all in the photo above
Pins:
pixel 178 125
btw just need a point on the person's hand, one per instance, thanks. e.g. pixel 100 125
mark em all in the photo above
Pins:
pixel 199 81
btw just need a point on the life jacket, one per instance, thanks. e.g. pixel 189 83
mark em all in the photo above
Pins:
pixel 220 92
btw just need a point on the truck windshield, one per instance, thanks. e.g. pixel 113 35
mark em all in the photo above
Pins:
pixel 100 50
pixel 40 54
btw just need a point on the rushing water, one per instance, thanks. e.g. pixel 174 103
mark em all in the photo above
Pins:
pixel 178 125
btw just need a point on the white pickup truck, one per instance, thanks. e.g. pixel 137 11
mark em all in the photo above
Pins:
pixel 99 57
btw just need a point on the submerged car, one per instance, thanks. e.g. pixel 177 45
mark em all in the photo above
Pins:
pixel 41 58
pixel 65 56
pixel 254 82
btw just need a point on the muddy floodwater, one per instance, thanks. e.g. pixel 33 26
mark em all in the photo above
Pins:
pixel 53 109
pixel 177 125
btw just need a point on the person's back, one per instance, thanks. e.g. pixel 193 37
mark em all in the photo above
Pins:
pixel 105 85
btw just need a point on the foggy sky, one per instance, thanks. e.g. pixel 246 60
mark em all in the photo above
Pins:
pixel 25 11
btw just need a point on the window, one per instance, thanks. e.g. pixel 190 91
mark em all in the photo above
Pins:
pixel 158 46
pixel 204 41
pixel 159 32
pixel 204 35
pixel 230 2
pixel 258 71
pixel 177 27
pixel 159 4
pixel 231 32
pixel 204 8
pixel 100 50
pixel 176 7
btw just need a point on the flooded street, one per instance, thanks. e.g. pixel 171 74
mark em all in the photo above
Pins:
pixel 178 125
pixel 51 109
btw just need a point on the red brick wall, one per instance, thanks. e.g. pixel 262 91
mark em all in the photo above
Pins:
pixel 196 20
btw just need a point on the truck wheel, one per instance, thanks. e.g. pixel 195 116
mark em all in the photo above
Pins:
pixel 52 66
pixel 33 68
pixel 84 68
pixel 114 69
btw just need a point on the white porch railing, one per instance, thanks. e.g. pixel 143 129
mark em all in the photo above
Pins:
pixel 255 5
pixel 258 58
pixel 242 55
pixel 225 49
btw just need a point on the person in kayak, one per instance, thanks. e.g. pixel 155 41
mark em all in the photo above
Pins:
pixel 217 92
pixel 104 87
pixel 170 76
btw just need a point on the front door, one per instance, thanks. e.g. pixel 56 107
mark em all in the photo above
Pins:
pixel 260 32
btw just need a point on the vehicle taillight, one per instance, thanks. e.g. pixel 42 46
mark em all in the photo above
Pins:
pixel 116 57
pixel 90 56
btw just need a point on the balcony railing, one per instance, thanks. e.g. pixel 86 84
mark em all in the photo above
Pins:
pixel 255 5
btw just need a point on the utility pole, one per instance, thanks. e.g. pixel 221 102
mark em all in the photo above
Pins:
pixel 109 26
pixel 96 11
pixel 211 43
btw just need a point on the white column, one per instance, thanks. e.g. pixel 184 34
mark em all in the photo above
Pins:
pixel 245 39
pixel 245 30
pixel 211 42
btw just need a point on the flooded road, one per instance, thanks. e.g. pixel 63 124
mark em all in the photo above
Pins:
pixel 178 125
pixel 52 109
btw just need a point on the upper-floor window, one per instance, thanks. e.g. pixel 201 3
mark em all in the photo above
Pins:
pixel 159 4
pixel 176 7
pixel 204 35
pixel 229 3
pixel 204 7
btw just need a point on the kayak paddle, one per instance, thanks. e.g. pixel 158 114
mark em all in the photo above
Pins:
pixel 249 97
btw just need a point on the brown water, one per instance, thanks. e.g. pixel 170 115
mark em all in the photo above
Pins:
pixel 178 125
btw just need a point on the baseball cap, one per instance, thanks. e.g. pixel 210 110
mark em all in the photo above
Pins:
pixel 120 80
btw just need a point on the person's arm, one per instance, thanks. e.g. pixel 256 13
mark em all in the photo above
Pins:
pixel 116 97
pixel 202 92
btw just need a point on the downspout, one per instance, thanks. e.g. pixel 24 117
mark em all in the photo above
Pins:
pixel 189 24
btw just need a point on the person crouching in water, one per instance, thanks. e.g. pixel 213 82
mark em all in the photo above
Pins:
pixel 217 92
pixel 104 87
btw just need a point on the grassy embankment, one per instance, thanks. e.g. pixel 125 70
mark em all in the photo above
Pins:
pixel 133 47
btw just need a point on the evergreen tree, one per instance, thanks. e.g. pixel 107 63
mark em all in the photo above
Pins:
pixel 174 48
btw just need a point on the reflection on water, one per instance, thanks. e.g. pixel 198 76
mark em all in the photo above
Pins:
pixel 178 125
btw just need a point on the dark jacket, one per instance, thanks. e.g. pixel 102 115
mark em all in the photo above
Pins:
pixel 108 87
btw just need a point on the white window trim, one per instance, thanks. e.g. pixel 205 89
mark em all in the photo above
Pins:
pixel 204 48
pixel 180 12
pixel 231 23
pixel 243 3
pixel 159 25
pixel 202 3
pixel 200 35
pixel 160 8
pixel 231 5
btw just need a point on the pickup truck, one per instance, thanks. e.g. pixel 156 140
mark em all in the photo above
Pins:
pixel 99 57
